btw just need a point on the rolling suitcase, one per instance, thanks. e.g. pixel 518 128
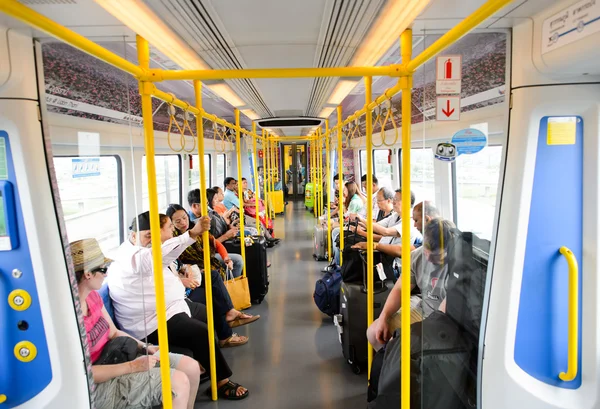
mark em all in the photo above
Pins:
pixel 256 266
pixel 320 243
pixel 276 201
pixel 352 319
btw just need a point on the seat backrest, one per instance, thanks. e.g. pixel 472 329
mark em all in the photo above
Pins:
pixel 105 294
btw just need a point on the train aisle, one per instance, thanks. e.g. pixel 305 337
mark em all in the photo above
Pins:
pixel 293 359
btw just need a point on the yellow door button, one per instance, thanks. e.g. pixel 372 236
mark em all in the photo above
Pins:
pixel 19 300
pixel 2 399
pixel 25 351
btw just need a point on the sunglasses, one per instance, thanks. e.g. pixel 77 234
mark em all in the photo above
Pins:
pixel 101 270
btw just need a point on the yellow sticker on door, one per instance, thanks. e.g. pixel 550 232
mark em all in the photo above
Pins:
pixel 562 130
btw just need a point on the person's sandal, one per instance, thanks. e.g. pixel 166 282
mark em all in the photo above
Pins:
pixel 229 342
pixel 228 391
pixel 237 322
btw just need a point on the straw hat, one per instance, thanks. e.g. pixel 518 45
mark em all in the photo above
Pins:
pixel 87 255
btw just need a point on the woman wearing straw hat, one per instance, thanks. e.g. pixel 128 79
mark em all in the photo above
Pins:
pixel 121 385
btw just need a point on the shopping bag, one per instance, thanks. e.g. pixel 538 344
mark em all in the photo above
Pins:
pixel 238 291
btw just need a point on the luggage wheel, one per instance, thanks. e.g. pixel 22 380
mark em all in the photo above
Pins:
pixel 356 369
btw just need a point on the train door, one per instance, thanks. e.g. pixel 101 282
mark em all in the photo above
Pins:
pixel 294 169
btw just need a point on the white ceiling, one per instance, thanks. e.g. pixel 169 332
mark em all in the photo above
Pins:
pixel 278 33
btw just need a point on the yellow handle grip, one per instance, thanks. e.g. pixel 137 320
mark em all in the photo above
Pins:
pixel 573 315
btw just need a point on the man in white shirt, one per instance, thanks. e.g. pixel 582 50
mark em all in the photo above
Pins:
pixel 133 293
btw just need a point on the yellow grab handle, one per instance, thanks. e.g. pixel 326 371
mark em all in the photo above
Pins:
pixel 573 315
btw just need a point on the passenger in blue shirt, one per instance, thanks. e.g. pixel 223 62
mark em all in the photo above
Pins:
pixel 231 199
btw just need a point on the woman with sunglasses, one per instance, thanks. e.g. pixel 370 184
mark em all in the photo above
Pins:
pixel 121 385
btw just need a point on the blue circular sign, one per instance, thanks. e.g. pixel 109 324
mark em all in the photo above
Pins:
pixel 469 141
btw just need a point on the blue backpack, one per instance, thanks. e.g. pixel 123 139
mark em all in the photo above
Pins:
pixel 327 292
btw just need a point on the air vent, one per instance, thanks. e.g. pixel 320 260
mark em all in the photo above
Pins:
pixel 299 122
pixel 44 2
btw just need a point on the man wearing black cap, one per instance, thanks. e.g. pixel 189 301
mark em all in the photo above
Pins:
pixel 133 293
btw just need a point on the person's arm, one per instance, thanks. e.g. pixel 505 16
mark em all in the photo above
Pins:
pixel 221 250
pixel 394 250
pixel 229 234
pixel 103 373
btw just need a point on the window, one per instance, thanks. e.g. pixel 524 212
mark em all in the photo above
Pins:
pixel 421 173
pixel 221 170
pixel 91 197
pixel 168 181
pixel 363 163
pixel 383 169
pixel 195 172
pixel 476 186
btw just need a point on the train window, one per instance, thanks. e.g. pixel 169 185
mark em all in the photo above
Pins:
pixel 383 168
pixel 421 173
pixel 168 181
pixel 221 170
pixel 91 197
pixel 363 162
pixel 476 186
pixel 195 171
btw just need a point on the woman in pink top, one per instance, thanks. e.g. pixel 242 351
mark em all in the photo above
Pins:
pixel 123 385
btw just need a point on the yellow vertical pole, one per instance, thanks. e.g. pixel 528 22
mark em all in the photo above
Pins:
pixel 238 145
pixel 341 183
pixel 369 149
pixel 313 173
pixel 273 169
pixel 206 245
pixel 146 89
pixel 267 161
pixel 256 186
pixel 265 147
pixel 316 181
pixel 328 165
pixel 320 152
pixel 406 50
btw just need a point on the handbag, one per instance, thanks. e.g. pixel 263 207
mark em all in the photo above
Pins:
pixel 238 291
pixel 118 350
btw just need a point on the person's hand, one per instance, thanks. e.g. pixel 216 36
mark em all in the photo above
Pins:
pixel 363 225
pixel 202 225
pixel 152 349
pixel 190 283
pixel 229 263
pixel 143 363
pixel 383 331
pixel 352 228
pixel 361 246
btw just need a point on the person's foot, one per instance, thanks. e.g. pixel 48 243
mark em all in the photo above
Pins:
pixel 230 390
pixel 268 264
pixel 237 318
pixel 233 341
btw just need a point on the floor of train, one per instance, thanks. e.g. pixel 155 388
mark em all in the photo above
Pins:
pixel 293 359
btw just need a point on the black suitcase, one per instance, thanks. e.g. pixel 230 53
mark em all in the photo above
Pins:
pixel 256 266
pixel 439 361
pixel 352 320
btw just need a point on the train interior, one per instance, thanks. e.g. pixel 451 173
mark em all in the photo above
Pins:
pixel 484 115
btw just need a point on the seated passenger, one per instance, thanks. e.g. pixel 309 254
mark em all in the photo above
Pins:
pixel 133 292
pixel 388 230
pixel 123 385
pixel 363 183
pixel 429 272
pixel 248 194
pixel 218 227
pixel 194 255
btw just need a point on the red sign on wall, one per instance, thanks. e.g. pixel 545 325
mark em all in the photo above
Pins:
pixel 260 153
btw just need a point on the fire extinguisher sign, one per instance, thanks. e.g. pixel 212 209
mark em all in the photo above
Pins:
pixel 448 74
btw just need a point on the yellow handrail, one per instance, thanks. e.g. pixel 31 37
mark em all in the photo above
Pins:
pixel 573 316
pixel 406 84
pixel 206 248
pixel 340 183
pixel 161 307
pixel 328 190
pixel 256 186
pixel 238 146
pixel 369 204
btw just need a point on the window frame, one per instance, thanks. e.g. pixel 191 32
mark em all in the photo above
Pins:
pixel 224 167
pixel 120 204
pixel 411 161
pixel 209 183
pixel 454 185
pixel 179 173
